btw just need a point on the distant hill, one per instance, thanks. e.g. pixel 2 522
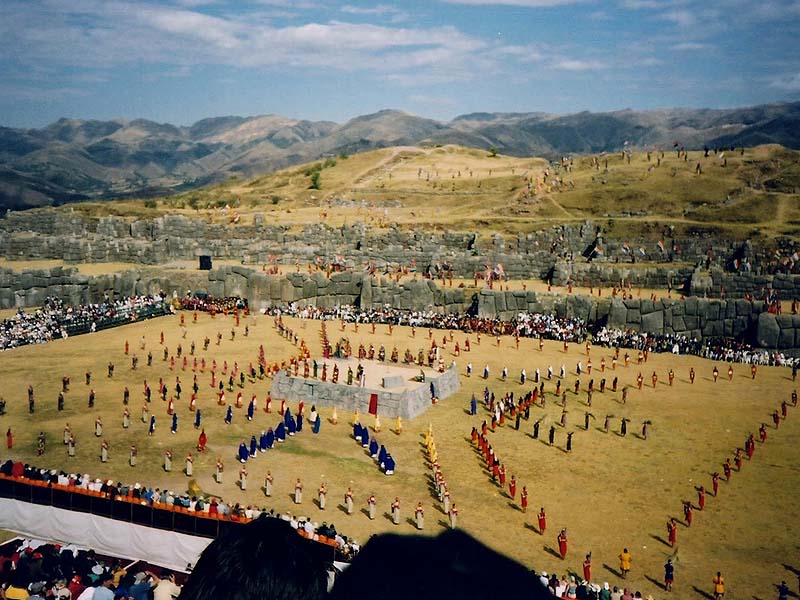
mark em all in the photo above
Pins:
pixel 73 160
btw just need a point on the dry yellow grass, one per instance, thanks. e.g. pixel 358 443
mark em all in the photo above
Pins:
pixel 610 492
pixel 452 187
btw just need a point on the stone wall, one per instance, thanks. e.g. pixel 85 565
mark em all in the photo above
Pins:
pixel 264 291
pixel 554 253
pixel 30 288
pixel 711 282
pixel 694 317
pixel 406 403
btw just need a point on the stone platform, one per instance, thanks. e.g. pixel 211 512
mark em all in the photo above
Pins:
pixel 393 384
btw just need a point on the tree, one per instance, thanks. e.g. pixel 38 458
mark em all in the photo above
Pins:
pixel 315 180
pixel 493 151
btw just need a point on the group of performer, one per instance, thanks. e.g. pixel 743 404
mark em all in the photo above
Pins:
pixel 728 468
pixel 379 453
pixel 505 410
pixel 440 487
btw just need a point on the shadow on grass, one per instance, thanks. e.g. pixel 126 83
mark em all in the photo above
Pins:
pixel 658 538
pixel 612 570
pixel 659 584
pixel 552 551
pixel 702 593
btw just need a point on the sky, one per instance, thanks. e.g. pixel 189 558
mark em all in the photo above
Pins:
pixel 179 61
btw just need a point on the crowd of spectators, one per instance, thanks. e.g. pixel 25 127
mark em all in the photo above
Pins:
pixel 38 570
pixel 569 329
pixel 55 319
pixel 548 327
pixel 570 586
pixel 210 304
pixel 716 348
pixel 164 498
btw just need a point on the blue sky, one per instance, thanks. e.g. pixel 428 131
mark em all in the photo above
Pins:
pixel 179 61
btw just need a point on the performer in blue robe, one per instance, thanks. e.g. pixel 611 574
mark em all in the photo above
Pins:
pixel 299 422
pixel 291 425
pixel 270 438
pixel 388 465
pixel 151 430
pixel 317 423
pixel 197 418
pixel 357 432
pixel 287 416
pixel 382 455
pixel 229 415
pixel 251 410
pixel 280 432
pixel 365 437
pixel 473 406
pixel 243 454
pixel 262 441
pixel 253 446
pixel 174 428
pixel 373 447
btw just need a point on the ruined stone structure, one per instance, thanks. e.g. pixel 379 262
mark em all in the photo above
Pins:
pixel 396 393
pixel 553 254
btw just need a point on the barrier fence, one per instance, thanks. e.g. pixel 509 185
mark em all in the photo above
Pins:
pixel 132 510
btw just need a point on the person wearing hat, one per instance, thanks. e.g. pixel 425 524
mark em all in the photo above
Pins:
pixel 544 579
pixel 143 582
pixel 605 593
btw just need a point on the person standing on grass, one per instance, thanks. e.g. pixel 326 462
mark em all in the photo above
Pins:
pixel 669 574
pixel 625 559
pixel 719 586
pixel 562 544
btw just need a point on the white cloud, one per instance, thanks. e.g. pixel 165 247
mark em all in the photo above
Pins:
pixel 377 10
pixel 521 3
pixel 103 34
pixel 690 46
pixel 432 100
pixel 641 4
pixel 573 64
pixel 523 54
pixel 681 18
pixel 24 93
pixel 789 82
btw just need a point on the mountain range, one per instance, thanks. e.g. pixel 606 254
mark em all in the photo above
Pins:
pixel 73 160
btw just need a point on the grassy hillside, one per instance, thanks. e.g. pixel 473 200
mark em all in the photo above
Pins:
pixel 749 194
